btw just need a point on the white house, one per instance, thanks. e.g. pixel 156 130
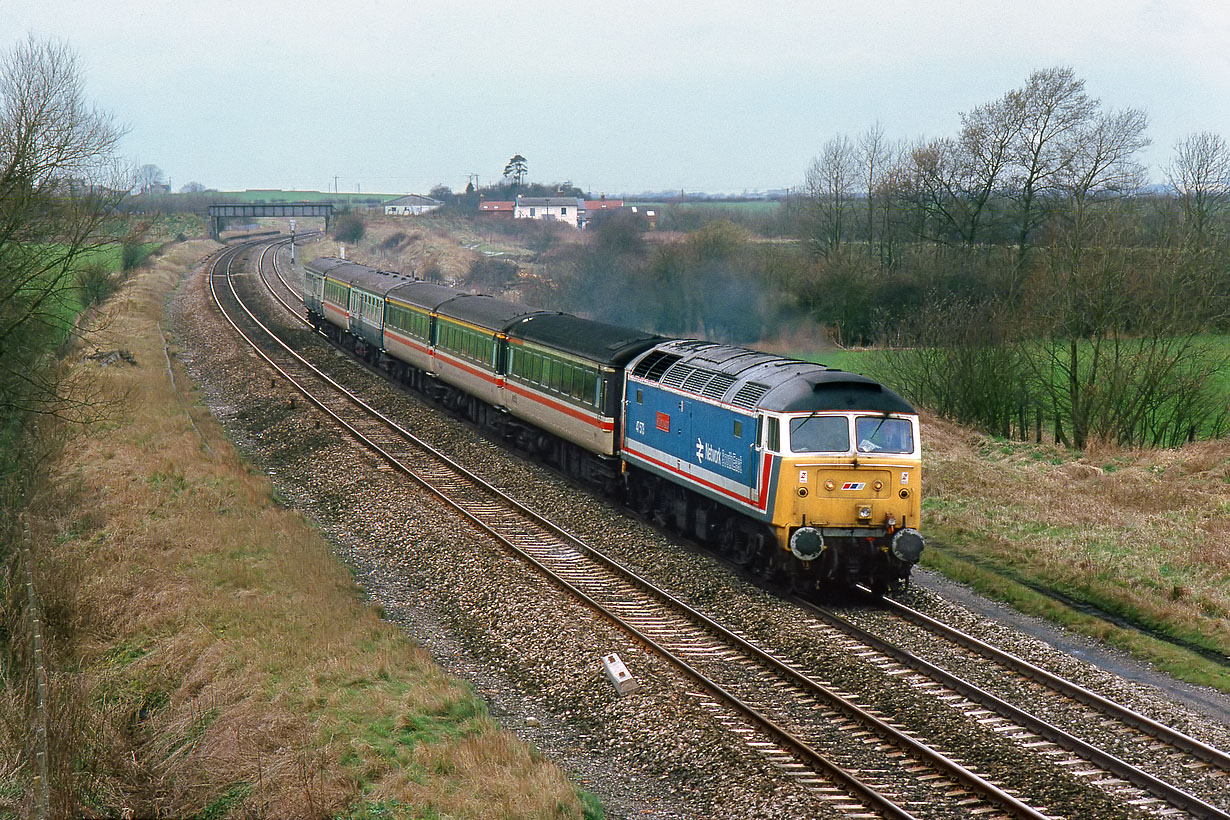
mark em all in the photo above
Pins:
pixel 550 208
pixel 412 205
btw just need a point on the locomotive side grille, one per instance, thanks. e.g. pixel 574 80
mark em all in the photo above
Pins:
pixel 749 394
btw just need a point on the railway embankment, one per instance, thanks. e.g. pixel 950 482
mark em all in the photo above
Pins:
pixel 208 654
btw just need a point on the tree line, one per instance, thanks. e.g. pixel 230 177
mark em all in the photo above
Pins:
pixel 1024 269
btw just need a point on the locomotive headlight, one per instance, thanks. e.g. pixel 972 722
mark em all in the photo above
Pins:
pixel 864 511
pixel 830 485
pixel 879 485
pixel 802 492
pixel 904 493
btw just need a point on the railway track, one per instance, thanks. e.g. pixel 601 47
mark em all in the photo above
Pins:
pixel 777 705
pixel 1132 771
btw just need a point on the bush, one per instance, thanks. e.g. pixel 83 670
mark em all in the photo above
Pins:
pixel 349 228
pixel 132 255
pixel 96 283
pixel 492 273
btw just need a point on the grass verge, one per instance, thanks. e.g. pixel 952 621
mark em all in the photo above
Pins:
pixel 1143 536
pixel 212 656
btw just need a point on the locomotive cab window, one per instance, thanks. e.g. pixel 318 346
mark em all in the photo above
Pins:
pixel 882 434
pixel 820 434
pixel 773 436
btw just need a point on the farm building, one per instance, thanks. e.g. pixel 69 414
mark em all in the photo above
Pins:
pixel 411 205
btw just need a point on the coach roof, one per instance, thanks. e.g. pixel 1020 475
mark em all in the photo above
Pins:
pixel 356 275
pixel 484 311
pixel 597 341
pixel 426 295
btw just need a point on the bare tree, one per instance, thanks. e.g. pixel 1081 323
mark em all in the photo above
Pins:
pixel 59 184
pixel 933 186
pixel 1053 108
pixel 150 178
pixel 1199 172
pixel 192 188
pixel 873 152
pixel 988 134
pixel 831 183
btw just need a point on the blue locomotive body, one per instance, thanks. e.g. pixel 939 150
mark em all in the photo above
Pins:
pixel 712 447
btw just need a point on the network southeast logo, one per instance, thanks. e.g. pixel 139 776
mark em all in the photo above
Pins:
pixel 716 455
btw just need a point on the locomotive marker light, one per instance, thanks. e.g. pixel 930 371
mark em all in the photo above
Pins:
pixel 620 677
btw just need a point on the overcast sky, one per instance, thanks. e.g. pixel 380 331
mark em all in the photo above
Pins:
pixel 397 96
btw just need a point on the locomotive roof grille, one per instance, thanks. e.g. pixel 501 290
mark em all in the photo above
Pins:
pixel 677 375
pixel 654 365
pixel 718 386
pixel 749 394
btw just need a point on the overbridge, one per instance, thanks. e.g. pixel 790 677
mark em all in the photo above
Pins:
pixel 219 212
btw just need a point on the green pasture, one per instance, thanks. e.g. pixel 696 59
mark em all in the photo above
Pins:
pixel 70 292
pixel 275 197
pixel 855 361
pixel 1215 346
pixel 744 206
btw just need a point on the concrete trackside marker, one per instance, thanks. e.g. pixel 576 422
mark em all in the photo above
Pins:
pixel 624 683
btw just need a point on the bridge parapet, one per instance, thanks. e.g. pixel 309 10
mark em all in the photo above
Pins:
pixel 219 212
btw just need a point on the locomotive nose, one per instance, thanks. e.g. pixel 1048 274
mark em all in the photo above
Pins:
pixel 908 545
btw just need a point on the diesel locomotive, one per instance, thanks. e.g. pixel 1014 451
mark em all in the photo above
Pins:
pixel 808 475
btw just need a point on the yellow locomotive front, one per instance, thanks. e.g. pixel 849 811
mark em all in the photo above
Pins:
pixel 848 495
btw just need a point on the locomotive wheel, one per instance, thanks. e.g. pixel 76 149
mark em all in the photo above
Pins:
pixel 749 548
pixel 728 538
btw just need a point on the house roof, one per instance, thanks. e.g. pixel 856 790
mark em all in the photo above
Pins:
pixel 603 204
pixel 549 201
pixel 496 205
pixel 413 199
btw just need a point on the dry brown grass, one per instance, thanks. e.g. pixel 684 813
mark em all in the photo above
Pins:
pixel 405 244
pixel 1141 533
pixel 229 662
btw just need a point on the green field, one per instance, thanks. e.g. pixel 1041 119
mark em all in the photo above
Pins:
pixel 274 197
pixel 863 361
pixel 743 206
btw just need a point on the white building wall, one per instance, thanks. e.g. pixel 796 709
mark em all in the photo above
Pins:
pixel 562 210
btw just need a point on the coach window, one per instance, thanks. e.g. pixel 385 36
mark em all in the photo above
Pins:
pixel 591 387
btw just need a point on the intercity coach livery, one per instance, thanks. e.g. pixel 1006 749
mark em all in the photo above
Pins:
pixel 806 474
